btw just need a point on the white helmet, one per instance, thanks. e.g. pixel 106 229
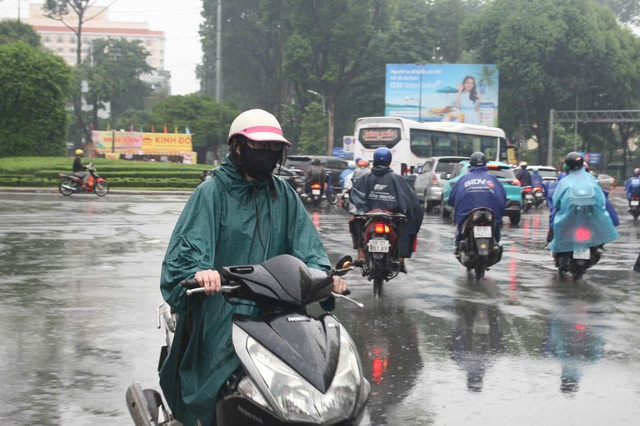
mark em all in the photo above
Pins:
pixel 352 164
pixel 257 125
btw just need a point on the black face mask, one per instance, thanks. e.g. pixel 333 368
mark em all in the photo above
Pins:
pixel 259 163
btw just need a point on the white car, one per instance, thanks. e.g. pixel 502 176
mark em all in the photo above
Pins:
pixel 549 173
pixel 435 172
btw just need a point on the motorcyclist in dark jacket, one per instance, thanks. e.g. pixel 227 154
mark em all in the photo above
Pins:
pixel 523 175
pixel 477 189
pixel 383 189
pixel 78 169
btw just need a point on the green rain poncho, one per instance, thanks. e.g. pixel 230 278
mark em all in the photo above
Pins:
pixel 227 221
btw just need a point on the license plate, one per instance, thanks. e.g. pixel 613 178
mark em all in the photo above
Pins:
pixel 482 231
pixel 635 202
pixel 529 197
pixel 582 254
pixel 315 191
pixel 538 194
pixel 379 246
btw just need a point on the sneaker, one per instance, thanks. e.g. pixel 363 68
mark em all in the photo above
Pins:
pixel 403 268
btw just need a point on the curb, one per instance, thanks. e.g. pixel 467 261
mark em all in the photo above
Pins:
pixel 49 190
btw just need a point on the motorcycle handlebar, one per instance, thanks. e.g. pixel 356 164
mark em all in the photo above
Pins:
pixel 193 287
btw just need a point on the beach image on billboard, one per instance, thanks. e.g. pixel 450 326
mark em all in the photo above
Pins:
pixel 466 93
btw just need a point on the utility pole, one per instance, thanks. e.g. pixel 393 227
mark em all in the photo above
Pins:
pixel 218 52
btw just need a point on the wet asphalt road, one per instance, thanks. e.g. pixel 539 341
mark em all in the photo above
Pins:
pixel 79 287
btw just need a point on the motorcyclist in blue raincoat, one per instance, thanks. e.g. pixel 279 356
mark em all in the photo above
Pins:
pixel 242 215
pixel 580 204
pixel 536 179
pixel 383 189
pixel 632 185
pixel 346 172
pixel 477 189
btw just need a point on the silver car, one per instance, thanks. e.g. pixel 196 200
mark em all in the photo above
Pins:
pixel 434 174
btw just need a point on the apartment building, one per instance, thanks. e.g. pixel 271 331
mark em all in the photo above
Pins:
pixel 62 41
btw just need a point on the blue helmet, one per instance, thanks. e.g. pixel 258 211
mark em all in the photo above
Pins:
pixel 382 156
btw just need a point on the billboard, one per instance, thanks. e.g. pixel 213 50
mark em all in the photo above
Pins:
pixel 141 143
pixel 465 93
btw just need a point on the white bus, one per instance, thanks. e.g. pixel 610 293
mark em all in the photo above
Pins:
pixel 412 142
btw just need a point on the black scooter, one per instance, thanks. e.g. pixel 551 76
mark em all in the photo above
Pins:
pixel 478 249
pixel 382 231
pixel 576 263
pixel 285 354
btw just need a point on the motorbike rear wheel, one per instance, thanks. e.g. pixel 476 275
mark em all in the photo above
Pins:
pixel 101 189
pixel 481 265
pixel 65 186
pixel 377 286
pixel 333 198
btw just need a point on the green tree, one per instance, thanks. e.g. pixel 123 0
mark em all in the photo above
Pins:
pixel 62 11
pixel 553 61
pixel 34 87
pixel 208 121
pixel 627 11
pixel 332 38
pixel 313 131
pixel 14 30
pixel 114 77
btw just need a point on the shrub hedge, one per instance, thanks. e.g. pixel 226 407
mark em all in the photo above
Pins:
pixel 43 172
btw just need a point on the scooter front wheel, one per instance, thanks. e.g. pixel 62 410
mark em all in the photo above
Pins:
pixel 333 198
pixel 66 187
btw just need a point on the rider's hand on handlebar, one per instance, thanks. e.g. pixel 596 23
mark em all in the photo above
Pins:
pixel 339 285
pixel 210 280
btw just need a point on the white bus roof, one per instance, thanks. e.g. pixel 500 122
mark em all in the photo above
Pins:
pixel 444 126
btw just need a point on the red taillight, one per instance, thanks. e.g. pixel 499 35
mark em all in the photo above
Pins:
pixel 527 189
pixel 583 234
pixel 381 228
pixel 515 182
pixel 434 181
pixel 537 188
pixel 315 186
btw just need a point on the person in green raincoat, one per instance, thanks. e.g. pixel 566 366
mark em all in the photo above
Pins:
pixel 242 215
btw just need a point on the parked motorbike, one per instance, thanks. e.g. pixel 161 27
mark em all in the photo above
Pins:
pixel 527 198
pixel 634 206
pixel 296 368
pixel 576 263
pixel 382 231
pixel 478 249
pixel 72 184
pixel 538 196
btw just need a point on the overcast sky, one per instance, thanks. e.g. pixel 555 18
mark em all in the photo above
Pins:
pixel 180 21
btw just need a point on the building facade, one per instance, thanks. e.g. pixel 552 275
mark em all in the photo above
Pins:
pixel 59 39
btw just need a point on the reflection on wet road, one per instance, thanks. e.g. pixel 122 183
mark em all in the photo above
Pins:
pixel 79 279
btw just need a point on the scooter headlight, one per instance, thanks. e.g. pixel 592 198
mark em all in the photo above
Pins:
pixel 296 398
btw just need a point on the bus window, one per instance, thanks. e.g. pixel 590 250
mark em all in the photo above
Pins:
pixel 468 145
pixel 420 143
pixel 445 144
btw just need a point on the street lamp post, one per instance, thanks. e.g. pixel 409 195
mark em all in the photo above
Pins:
pixel 324 105
pixel 329 127
pixel 575 128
